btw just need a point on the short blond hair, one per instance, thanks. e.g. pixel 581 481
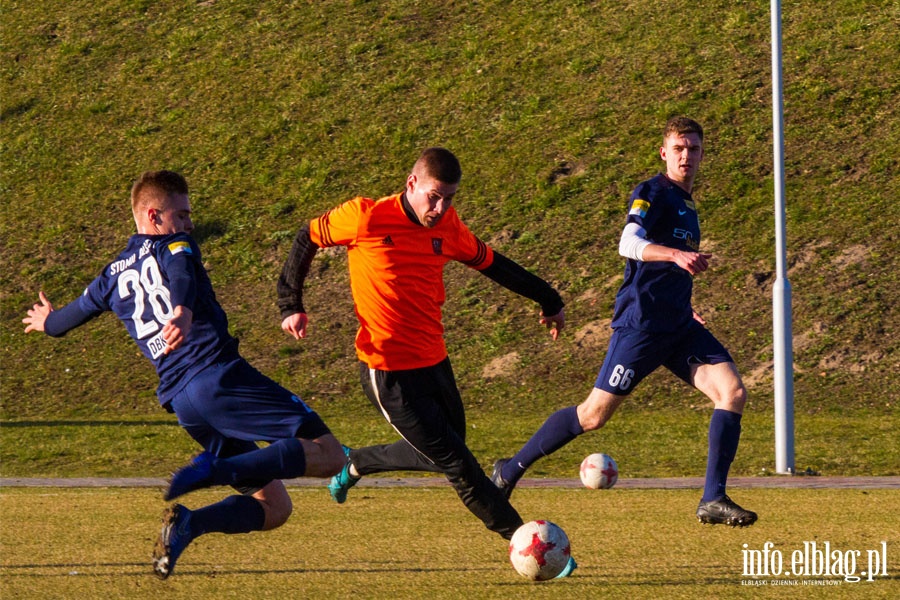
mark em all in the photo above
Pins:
pixel 156 188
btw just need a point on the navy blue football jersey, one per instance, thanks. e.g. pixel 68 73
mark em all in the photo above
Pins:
pixel 656 296
pixel 142 286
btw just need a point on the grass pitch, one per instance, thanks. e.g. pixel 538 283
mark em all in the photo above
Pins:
pixel 421 543
pixel 277 111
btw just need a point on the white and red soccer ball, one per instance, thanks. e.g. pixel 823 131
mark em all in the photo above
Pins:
pixel 599 471
pixel 539 550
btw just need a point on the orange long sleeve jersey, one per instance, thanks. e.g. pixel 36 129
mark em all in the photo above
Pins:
pixel 396 276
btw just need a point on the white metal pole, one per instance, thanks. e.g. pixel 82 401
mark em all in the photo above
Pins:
pixel 781 292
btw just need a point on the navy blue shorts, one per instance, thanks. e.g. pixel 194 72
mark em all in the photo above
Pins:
pixel 634 354
pixel 230 406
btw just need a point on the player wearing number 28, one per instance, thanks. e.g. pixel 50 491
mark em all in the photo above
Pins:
pixel 161 292
pixel 654 325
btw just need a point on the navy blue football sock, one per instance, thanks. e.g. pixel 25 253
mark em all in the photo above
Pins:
pixel 234 514
pixel 280 460
pixel 559 429
pixel 724 434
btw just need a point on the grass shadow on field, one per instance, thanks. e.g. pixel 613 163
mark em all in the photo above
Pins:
pixel 73 568
pixel 79 423
pixel 204 569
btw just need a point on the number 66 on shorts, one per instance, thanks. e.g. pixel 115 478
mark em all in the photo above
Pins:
pixel 621 378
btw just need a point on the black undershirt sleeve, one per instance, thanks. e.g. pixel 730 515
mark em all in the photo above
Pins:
pixel 294 272
pixel 516 278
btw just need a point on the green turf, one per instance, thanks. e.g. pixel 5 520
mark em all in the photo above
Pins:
pixel 665 443
pixel 421 543
pixel 278 111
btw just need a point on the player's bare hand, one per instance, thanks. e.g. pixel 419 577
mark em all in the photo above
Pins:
pixel 37 315
pixel 555 324
pixel 698 318
pixel 175 332
pixel 295 325
pixel 693 262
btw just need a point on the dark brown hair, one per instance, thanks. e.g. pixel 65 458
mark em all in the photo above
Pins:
pixel 441 164
pixel 682 125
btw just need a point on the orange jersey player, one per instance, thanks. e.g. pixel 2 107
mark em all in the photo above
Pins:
pixel 396 276
pixel 397 249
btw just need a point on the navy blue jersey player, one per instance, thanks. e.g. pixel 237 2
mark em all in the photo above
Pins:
pixel 157 286
pixel 654 325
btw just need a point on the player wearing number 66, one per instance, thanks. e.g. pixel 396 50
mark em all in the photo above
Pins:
pixel 161 292
pixel 654 325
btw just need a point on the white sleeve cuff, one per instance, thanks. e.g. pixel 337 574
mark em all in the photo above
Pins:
pixel 633 242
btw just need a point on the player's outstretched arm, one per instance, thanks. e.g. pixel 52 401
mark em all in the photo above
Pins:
pixel 37 315
pixel 55 323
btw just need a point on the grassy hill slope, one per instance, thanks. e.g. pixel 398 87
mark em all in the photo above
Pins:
pixel 276 112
